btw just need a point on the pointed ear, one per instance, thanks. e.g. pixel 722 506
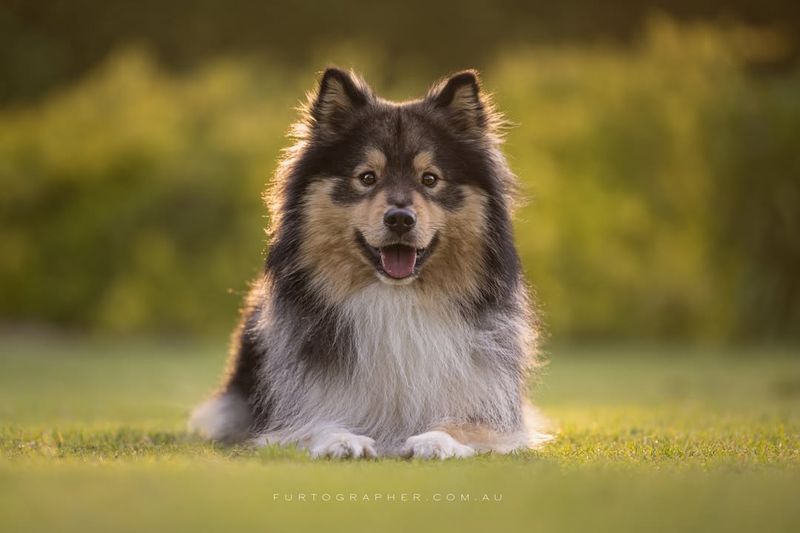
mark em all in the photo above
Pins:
pixel 338 95
pixel 459 96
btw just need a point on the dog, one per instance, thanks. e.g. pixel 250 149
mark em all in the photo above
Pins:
pixel 391 318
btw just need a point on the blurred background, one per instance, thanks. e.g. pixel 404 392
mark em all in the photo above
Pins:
pixel 658 145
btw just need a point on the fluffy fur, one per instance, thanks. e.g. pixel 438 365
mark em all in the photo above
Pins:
pixel 348 352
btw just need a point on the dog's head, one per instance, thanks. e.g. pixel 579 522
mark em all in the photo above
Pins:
pixel 402 192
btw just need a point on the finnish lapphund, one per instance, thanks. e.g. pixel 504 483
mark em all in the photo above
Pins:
pixel 391 317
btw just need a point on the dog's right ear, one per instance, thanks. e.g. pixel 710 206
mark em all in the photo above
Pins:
pixel 338 95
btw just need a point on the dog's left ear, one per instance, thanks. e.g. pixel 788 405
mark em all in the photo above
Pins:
pixel 460 97
pixel 338 96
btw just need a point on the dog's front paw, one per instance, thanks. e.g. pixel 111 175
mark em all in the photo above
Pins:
pixel 342 445
pixel 435 445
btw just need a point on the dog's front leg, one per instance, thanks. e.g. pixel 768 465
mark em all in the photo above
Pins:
pixel 435 445
pixel 336 443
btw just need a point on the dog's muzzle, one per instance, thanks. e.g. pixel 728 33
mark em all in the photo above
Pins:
pixel 396 260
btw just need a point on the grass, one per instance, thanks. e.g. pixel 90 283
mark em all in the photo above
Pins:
pixel 92 439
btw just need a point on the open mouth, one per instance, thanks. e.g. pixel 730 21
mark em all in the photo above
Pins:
pixel 397 261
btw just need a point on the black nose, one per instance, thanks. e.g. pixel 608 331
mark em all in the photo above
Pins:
pixel 399 219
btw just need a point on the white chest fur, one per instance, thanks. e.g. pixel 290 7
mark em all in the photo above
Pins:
pixel 413 356
pixel 414 368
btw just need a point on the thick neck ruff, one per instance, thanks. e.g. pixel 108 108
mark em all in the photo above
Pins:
pixel 414 361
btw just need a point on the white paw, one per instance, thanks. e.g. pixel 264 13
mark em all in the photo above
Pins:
pixel 342 445
pixel 435 445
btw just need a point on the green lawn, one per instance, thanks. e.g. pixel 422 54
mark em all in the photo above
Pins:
pixel 92 439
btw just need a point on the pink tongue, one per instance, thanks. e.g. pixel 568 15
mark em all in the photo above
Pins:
pixel 398 261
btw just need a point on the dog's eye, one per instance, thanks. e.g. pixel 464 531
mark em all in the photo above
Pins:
pixel 429 179
pixel 367 179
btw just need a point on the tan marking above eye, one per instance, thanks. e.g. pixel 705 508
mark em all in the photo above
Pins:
pixel 424 165
pixel 423 161
pixel 374 161
pixel 374 165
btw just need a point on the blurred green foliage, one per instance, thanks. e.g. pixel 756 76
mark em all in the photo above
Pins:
pixel 47 42
pixel 663 186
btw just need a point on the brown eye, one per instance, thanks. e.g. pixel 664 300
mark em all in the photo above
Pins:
pixel 429 180
pixel 367 179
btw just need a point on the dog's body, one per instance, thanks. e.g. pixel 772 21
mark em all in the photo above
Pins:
pixel 391 317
